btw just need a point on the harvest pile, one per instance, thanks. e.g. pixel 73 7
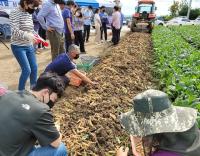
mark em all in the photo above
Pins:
pixel 89 116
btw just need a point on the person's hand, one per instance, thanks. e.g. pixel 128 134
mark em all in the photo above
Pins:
pixel 50 29
pixel 122 152
pixel 72 36
pixel 31 37
pixel 133 145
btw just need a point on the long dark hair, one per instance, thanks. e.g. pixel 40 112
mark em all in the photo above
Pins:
pixel 34 2
pixel 79 9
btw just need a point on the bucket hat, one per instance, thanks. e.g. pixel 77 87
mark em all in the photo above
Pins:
pixel 153 113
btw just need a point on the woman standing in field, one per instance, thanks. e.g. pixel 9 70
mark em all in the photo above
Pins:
pixel 97 22
pixel 78 30
pixel 22 40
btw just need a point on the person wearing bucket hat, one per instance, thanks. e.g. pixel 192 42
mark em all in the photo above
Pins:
pixel 170 130
pixel 25 117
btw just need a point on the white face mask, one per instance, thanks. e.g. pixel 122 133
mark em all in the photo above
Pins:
pixel 77 14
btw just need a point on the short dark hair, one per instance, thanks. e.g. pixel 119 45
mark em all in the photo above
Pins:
pixel 35 3
pixel 96 11
pixel 116 8
pixel 102 7
pixel 62 2
pixel 70 2
pixel 90 7
pixel 51 81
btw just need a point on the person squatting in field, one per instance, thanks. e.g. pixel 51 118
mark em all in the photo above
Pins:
pixel 164 129
pixel 64 64
pixel 26 117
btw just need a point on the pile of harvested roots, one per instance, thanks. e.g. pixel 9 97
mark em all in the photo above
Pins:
pixel 89 115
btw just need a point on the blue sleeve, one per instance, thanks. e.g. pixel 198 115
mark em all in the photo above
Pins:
pixel 101 15
pixel 69 65
pixel 66 14
pixel 35 17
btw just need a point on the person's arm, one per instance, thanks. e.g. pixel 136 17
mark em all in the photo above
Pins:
pixel 82 76
pixel 113 18
pixel 99 19
pixel 69 25
pixel 67 15
pixel 34 17
pixel 42 14
pixel 134 141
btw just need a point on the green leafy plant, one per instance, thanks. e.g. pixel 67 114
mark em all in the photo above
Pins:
pixel 177 64
pixel 191 33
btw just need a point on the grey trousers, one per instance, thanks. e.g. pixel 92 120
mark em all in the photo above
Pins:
pixel 57 43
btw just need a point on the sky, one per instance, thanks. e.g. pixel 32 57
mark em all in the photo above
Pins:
pixel 128 6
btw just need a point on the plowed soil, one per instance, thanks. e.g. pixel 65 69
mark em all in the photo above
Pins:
pixel 88 116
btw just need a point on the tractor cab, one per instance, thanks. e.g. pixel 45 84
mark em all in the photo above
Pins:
pixel 144 15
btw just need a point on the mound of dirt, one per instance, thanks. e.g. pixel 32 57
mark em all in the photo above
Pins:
pixel 89 115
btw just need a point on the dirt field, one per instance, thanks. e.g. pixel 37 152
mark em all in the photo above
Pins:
pixel 10 70
pixel 89 115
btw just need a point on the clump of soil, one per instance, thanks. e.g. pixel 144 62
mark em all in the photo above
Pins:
pixel 89 115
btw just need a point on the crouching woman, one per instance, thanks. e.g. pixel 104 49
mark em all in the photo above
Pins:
pixel 164 129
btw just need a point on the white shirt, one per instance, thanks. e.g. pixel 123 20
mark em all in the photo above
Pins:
pixel 97 20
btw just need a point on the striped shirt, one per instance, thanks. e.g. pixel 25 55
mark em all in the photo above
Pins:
pixel 21 24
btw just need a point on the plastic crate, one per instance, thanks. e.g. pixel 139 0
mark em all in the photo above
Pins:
pixel 86 63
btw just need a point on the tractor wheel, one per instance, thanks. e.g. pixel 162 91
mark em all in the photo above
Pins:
pixel 150 28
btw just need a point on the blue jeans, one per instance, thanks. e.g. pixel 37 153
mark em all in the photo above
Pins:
pixel 26 58
pixel 49 151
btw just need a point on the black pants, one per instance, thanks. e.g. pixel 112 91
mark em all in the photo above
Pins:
pixel 104 30
pixel 86 32
pixel 120 33
pixel 42 33
pixel 79 40
pixel 68 41
pixel 115 35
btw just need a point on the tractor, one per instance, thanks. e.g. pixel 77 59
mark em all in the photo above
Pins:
pixel 143 19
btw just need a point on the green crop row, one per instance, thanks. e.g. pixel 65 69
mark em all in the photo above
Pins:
pixel 177 67
pixel 190 33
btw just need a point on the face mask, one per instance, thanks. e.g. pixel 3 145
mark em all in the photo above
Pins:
pixel 30 11
pixel 50 104
pixel 76 57
pixel 77 14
